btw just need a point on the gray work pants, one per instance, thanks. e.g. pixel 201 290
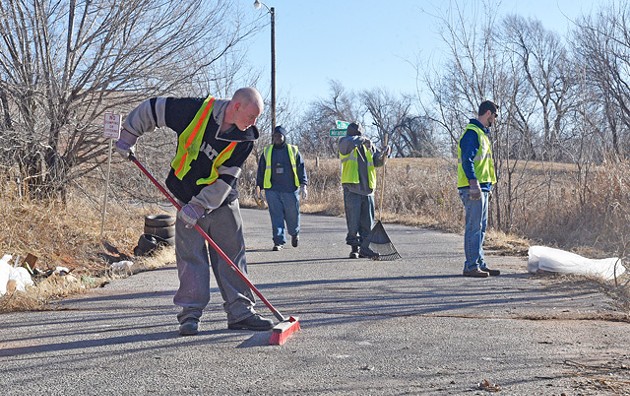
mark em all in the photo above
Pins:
pixel 224 226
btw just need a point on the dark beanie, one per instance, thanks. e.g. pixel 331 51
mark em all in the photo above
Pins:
pixel 280 130
pixel 355 129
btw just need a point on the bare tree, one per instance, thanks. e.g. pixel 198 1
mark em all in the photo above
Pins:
pixel 408 134
pixel 544 63
pixel 314 137
pixel 602 50
pixel 63 64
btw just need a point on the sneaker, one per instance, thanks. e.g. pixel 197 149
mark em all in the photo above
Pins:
pixel 277 248
pixel 188 328
pixel 295 240
pixel 491 272
pixel 476 273
pixel 254 323
pixel 354 254
pixel 368 253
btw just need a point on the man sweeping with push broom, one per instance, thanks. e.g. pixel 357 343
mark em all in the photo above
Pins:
pixel 215 137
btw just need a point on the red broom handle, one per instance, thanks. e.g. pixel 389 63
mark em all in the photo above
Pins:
pixel 216 247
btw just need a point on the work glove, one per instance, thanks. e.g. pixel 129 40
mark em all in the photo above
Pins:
pixel 258 197
pixel 367 143
pixel 190 214
pixel 387 150
pixel 475 190
pixel 258 193
pixel 125 145
pixel 303 192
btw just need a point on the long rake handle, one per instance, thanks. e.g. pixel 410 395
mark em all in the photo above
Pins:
pixel 380 206
pixel 213 244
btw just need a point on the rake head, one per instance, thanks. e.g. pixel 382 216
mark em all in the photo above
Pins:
pixel 381 244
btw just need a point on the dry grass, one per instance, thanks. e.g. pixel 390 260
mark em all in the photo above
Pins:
pixel 69 235
pixel 552 208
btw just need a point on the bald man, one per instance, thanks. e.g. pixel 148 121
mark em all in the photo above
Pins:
pixel 214 138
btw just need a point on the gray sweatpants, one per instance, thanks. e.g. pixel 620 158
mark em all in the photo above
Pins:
pixel 224 226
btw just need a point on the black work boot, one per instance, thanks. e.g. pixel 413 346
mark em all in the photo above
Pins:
pixel 354 254
pixel 188 328
pixel 368 253
pixel 254 323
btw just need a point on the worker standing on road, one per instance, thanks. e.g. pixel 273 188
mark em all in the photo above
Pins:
pixel 282 175
pixel 475 177
pixel 215 137
pixel 359 160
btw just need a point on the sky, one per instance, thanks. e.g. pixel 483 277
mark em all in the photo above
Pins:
pixel 365 44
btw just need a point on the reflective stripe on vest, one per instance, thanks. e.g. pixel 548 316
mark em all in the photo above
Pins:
pixel 483 164
pixel 189 142
pixel 350 167
pixel 216 164
pixel 293 150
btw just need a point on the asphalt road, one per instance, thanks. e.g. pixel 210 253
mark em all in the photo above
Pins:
pixel 414 326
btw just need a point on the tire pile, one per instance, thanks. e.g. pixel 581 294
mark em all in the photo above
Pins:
pixel 159 230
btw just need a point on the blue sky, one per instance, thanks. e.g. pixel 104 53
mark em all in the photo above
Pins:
pixel 368 43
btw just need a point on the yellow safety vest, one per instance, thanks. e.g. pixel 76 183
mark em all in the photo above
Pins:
pixel 189 144
pixel 293 150
pixel 350 167
pixel 483 163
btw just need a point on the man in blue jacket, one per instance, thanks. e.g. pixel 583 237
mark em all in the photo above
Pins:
pixel 475 177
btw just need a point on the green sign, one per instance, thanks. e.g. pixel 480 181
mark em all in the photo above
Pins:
pixel 338 132
pixel 342 124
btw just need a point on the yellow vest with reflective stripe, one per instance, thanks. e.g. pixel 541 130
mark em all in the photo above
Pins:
pixel 189 142
pixel 293 150
pixel 483 164
pixel 350 167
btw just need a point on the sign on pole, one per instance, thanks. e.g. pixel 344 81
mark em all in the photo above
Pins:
pixel 342 124
pixel 338 132
pixel 111 126
pixel 111 130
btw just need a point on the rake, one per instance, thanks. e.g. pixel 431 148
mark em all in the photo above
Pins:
pixel 379 240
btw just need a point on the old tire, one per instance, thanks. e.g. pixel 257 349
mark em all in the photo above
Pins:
pixel 162 226
pixel 146 245
pixel 162 232
pixel 160 220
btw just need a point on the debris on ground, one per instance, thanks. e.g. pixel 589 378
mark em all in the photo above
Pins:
pixel 16 275
pixel 546 259
pixel 488 386
pixel 123 266
pixel 13 278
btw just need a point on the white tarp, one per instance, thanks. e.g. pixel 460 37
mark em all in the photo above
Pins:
pixel 548 259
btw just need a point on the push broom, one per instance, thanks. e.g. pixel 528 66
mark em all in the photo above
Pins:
pixel 286 326
pixel 379 240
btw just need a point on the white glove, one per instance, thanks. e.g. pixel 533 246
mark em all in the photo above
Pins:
pixel 387 150
pixel 303 192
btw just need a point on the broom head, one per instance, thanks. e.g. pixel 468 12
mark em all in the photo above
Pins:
pixel 284 330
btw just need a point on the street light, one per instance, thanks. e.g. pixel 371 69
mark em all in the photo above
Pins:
pixel 272 12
